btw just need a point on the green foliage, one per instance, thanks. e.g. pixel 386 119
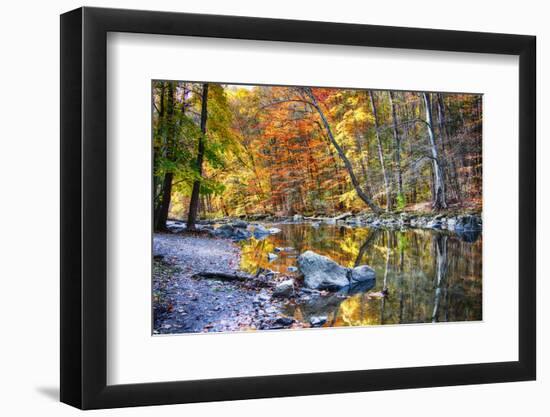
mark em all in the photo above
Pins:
pixel 401 201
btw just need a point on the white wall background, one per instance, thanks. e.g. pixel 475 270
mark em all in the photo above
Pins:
pixel 29 174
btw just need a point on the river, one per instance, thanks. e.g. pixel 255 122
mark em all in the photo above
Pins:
pixel 431 276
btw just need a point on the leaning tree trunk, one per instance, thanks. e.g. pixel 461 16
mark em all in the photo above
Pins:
pixel 194 204
pixel 380 153
pixel 164 206
pixel 439 199
pixel 349 168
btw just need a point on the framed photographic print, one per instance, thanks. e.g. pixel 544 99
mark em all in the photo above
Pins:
pixel 257 208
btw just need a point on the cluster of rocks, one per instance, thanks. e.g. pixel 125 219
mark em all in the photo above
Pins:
pixel 458 223
pixel 235 230
pixel 238 229
pixel 318 274
pixel 271 316
pixel 322 273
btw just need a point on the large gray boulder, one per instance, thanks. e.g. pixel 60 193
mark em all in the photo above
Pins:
pixel 322 273
pixel 361 273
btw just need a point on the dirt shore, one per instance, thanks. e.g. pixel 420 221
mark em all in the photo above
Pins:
pixel 183 303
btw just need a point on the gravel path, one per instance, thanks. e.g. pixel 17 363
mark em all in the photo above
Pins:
pixel 183 304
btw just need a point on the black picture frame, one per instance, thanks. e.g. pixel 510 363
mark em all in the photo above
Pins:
pixel 84 207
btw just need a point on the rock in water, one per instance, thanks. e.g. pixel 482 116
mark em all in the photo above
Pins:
pixel 260 231
pixel 230 232
pixel 284 321
pixel 317 321
pixel 468 223
pixel 241 234
pixel 175 227
pixel 225 230
pixel 240 224
pixel 284 289
pixel 362 273
pixel 322 273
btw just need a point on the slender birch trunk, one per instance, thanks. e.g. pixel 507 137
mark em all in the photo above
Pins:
pixel 387 186
pixel 439 199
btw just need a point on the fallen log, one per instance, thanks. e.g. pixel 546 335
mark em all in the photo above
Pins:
pixel 343 216
pixel 330 219
pixel 255 281
pixel 224 276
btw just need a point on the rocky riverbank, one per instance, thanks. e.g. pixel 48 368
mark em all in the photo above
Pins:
pixel 198 287
pixel 187 299
pixel 245 228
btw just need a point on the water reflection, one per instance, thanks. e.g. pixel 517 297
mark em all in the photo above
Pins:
pixel 431 276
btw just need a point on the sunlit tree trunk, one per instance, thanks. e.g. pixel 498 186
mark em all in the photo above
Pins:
pixel 381 153
pixel 397 140
pixel 364 171
pixel 439 199
pixel 194 203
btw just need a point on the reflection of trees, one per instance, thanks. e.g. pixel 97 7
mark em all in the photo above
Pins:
pixel 385 281
pixel 373 234
pixel 440 242
pixel 401 286
pixel 429 275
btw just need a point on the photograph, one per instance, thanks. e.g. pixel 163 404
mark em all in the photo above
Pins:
pixel 294 207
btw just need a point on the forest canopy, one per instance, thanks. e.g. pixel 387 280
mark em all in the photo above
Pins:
pixel 223 150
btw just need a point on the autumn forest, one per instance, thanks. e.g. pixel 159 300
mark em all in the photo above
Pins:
pixel 256 189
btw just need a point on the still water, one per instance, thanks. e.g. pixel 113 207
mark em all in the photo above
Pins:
pixel 431 276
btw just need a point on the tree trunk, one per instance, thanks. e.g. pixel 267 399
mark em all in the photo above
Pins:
pixel 194 204
pixel 380 153
pixel 362 165
pixel 439 199
pixel 366 198
pixel 397 140
pixel 164 206
pixel 157 183
pixel 450 169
